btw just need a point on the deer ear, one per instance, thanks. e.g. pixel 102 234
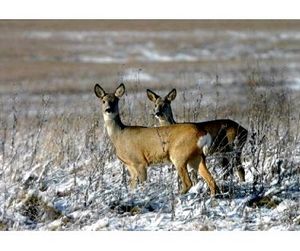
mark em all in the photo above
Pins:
pixel 119 92
pixel 171 95
pixel 100 93
pixel 152 95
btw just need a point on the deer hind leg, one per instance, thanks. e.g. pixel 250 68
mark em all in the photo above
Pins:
pixel 241 138
pixel 193 165
pixel 236 164
pixel 239 167
pixel 184 176
pixel 194 175
pixel 236 144
pixel 226 165
pixel 203 171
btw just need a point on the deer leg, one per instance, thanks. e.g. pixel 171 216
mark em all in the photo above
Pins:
pixel 236 144
pixel 184 176
pixel 225 166
pixel 142 173
pixel 133 176
pixel 193 164
pixel 242 138
pixel 239 167
pixel 203 171
pixel 194 176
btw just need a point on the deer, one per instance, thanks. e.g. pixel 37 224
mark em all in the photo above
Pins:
pixel 138 147
pixel 227 135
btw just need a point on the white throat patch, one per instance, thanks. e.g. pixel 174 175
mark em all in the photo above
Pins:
pixel 109 116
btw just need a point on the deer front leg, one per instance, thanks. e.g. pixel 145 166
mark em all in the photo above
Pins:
pixel 142 173
pixel 133 176
pixel 138 173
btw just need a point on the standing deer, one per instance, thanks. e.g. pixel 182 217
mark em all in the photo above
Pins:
pixel 227 135
pixel 138 147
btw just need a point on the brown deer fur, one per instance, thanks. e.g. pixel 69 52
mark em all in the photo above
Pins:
pixel 138 147
pixel 227 135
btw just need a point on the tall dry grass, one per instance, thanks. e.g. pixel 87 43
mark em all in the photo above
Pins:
pixel 48 147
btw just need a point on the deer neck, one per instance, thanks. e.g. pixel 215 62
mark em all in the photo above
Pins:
pixel 168 120
pixel 114 126
pixel 171 119
pixel 163 122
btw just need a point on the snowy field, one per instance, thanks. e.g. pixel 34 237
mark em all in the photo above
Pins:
pixel 58 170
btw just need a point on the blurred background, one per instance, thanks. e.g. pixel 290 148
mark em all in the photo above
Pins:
pixel 213 58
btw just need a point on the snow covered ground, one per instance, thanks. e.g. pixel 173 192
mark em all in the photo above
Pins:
pixel 89 192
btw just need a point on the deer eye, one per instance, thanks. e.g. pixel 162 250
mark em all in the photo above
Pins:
pixel 103 101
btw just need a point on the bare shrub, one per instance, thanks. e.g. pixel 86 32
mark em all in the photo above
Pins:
pixel 270 111
pixel 37 209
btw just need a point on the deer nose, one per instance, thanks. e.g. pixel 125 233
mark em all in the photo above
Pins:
pixel 108 110
pixel 158 113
